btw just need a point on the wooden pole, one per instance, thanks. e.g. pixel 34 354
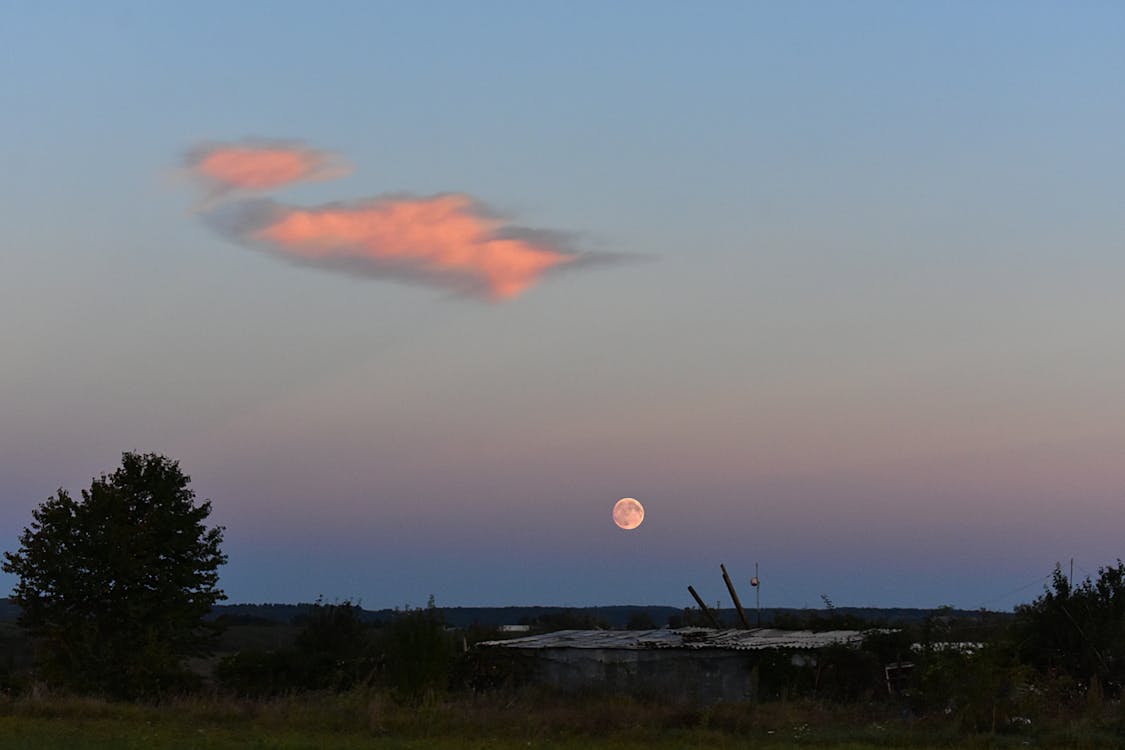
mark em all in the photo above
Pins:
pixel 734 598
pixel 703 607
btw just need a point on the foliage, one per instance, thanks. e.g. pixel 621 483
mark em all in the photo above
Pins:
pixel 418 654
pixel 15 658
pixel 567 619
pixel 338 645
pixel 982 688
pixel 370 719
pixel 688 617
pixel 115 586
pixel 333 651
pixel 333 629
pixel 263 674
pixel 847 675
pixel 1078 631
pixel 820 620
pixel 640 620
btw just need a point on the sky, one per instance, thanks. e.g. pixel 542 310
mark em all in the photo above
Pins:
pixel 414 292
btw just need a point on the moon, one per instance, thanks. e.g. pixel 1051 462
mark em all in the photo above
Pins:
pixel 628 513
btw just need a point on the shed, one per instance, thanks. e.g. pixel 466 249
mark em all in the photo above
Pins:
pixel 695 665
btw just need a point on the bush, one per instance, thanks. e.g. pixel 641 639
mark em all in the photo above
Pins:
pixel 334 651
pixel 1078 630
pixel 418 654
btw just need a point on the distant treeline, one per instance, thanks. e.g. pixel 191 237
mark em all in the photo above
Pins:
pixel 615 616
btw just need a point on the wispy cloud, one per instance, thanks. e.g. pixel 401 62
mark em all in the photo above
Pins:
pixel 255 165
pixel 449 241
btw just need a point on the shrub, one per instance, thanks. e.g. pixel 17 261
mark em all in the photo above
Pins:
pixel 418 654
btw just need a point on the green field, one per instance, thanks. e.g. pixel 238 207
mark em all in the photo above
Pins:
pixel 362 720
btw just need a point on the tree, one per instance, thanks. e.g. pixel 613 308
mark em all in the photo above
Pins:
pixel 418 654
pixel 334 650
pixel 1078 630
pixel 115 586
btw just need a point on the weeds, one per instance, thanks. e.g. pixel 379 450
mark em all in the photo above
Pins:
pixel 528 718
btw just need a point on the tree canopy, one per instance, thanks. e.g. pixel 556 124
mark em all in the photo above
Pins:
pixel 115 585
pixel 1079 629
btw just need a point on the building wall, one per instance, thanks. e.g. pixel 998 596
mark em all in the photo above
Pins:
pixel 691 676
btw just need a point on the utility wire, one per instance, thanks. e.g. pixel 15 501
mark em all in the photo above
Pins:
pixel 1036 582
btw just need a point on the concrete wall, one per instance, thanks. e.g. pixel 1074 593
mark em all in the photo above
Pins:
pixel 696 677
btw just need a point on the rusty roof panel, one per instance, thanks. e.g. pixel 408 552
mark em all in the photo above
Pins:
pixel 685 638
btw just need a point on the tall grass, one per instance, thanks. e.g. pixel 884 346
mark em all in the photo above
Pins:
pixel 504 720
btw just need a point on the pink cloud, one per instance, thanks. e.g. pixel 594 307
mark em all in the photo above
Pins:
pixel 446 240
pixel 257 165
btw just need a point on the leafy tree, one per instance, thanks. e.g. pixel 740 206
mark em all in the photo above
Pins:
pixel 1078 630
pixel 336 644
pixel 114 586
pixel 333 651
pixel 334 629
pixel 418 654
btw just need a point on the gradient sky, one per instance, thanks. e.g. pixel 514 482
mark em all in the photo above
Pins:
pixel 864 323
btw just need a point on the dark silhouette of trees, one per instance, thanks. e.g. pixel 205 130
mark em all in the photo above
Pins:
pixel 333 651
pixel 640 620
pixel 567 619
pixel 418 654
pixel 114 586
pixel 1078 630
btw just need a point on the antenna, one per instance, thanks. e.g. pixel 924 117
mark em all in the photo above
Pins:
pixel 757 584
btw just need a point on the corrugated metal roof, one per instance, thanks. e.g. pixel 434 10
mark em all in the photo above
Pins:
pixel 688 638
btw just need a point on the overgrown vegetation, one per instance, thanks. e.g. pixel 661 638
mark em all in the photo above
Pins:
pixel 114 589
pixel 411 656
pixel 341 681
pixel 364 718
pixel 1057 659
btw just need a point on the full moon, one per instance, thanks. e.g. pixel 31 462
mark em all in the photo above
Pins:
pixel 628 513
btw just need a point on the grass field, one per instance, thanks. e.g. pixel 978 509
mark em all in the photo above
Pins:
pixel 363 720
